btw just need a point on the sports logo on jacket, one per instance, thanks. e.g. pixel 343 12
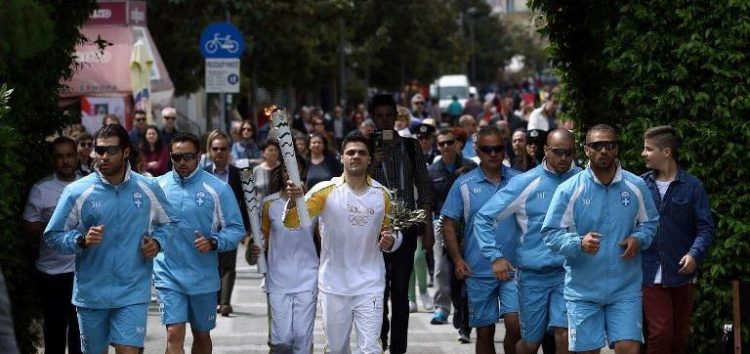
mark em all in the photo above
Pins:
pixel 625 198
pixel 200 197
pixel 137 199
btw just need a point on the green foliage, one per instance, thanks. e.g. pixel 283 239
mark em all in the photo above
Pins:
pixel 636 64
pixel 43 34
pixel 295 43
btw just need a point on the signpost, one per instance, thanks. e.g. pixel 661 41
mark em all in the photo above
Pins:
pixel 222 44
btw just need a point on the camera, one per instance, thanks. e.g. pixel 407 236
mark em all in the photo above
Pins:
pixel 376 139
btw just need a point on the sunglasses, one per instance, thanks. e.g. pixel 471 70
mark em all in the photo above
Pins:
pixel 110 150
pixel 86 144
pixel 217 149
pixel 599 145
pixel 446 143
pixel 169 118
pixel 562 152
pixel 187 157
pixel 488 149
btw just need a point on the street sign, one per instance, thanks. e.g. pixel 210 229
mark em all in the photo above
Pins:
pixel 221 40
pixel 222 75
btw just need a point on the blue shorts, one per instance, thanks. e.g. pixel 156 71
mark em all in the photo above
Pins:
pixel 590 323
pixel 177 307
pixel 490 298
pixel 119 326
pixel 542 303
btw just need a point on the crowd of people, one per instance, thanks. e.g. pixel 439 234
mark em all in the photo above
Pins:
pixel 570 257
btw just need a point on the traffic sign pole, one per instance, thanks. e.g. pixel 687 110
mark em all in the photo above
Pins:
pixel 222 44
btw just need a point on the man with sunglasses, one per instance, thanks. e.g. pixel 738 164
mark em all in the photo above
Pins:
pixel 169 126
pixel 115 221
pixel 85 144
pixel 185 275
pixel 489 297
pixel 600 220
pixel 541 275
pixel 443 173
pixel 221 168
pixel 139 126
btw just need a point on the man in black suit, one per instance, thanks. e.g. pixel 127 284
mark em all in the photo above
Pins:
pixel 218 150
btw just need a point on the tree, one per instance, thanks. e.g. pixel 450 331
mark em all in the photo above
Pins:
pixel 639 64
pixel 36 54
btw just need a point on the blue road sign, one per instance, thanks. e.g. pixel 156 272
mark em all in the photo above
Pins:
pixel 221 40
pixel 233 79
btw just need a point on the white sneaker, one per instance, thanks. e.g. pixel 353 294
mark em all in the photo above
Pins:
pixel 427 301
pixel 412 306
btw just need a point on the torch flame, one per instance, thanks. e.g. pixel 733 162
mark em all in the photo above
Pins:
pixel 270 109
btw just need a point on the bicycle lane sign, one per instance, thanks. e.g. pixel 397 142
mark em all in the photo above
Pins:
pixel 221 40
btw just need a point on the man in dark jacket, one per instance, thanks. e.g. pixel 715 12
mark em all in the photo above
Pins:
pixel 218 149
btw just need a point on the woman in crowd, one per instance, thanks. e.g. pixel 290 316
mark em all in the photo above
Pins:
pixel 300 143
pixel 271 158
pixel 245 151
pixel 322 163
pixel 403 119
pixel 155 152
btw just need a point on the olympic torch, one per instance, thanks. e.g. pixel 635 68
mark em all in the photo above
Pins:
pixel 253 213
pixel 286 142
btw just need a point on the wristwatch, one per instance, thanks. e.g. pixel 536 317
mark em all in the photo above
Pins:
pixel 81 241
pixel 214 244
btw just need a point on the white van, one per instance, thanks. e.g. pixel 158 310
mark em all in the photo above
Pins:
pixel 448 86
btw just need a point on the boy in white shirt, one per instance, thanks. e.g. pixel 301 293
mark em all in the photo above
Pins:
pixel 354 221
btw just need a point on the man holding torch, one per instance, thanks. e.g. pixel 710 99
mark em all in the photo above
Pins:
pixel 354 216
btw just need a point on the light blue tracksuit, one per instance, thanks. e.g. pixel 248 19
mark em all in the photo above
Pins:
pixel 207 205
pixel 527 197
pixel 581 205
pixel 541 275
pixel 112 274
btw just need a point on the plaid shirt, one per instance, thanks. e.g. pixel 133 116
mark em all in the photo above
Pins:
pixel 405 153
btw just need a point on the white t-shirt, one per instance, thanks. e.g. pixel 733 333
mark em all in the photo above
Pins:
pixel 42 201
pixel 292 258
pixel 662 186
pixel 351 262
pixel 537 120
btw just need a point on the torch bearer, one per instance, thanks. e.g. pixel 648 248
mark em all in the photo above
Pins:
pixel 286 142
pixel 253 212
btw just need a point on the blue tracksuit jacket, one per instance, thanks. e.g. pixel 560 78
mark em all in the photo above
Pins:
pixel 205 204
pixel 113 273
pixel 622 209
pixel 527 197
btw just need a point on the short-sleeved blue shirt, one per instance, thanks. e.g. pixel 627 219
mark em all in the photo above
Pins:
pixel 467 195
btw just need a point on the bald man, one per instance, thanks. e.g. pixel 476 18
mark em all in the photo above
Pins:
pixel 541 276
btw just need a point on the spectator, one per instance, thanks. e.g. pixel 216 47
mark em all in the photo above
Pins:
pixel 469 124
pixel 262 172
pixel 434 109
pixel 322 163
pixel 448 289
pixel 403 120
pixel 340 124
pixel 139 126
pixel 319 127
pixel 169 127
pixel 245 152
pixel 425 134
pixel 54 270
pixel 473 107
pixel 543 118
pixel 218 148
pixel 301 144
pixel 398 165
pixel 522 160
pixel 454 108
pixel 110 119
pixel 154 152
pixel 85 148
